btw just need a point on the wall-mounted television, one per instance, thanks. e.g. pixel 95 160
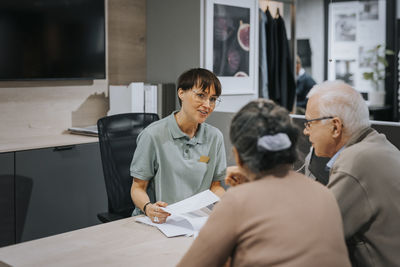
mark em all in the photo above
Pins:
pixel 52 39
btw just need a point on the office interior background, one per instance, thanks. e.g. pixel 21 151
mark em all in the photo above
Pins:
pixel 47 173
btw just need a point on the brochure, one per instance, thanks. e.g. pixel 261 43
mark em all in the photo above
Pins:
pixel 187 216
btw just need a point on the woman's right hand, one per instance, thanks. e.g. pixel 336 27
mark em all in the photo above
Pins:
pixel 234 176
pixel 155 213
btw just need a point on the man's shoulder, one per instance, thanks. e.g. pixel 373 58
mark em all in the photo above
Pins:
pixel 373 142
pixel 371 151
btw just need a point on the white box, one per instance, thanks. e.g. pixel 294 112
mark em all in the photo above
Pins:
pixel 126 99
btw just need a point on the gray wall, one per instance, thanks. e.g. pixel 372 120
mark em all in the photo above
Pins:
pixel 222 120
pixel 310 25
pixel 173 38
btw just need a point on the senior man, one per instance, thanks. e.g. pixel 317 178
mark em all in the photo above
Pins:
pixel 364 172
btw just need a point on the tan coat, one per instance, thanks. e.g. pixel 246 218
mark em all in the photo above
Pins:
pixel 365 179
pixel 290 221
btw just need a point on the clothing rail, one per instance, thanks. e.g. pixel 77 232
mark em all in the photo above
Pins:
pixel 293 44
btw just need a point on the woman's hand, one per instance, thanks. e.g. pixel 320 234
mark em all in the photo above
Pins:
pixel 140 198
pixel 156 214
pixel 234 176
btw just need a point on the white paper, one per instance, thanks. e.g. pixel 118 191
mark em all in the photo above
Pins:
pixel 193 203
pixel 89 130
pixel 187 216
pixel 173 226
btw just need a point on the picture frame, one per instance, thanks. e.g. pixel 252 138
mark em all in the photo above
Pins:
pixel 231 45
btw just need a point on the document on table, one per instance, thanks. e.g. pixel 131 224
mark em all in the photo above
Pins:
pixel 187 216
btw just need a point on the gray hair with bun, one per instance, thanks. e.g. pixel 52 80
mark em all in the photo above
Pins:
pixel 264 136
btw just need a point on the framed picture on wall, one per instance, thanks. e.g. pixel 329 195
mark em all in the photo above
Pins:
pixel 231 44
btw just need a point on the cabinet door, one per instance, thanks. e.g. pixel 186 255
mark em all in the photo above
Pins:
pixel 58 190
pixel 7 208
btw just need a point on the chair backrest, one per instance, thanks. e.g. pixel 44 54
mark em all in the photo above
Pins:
pixel 117 138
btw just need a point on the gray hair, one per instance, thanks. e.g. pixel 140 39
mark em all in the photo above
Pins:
pixel 257 119
pixel 339 99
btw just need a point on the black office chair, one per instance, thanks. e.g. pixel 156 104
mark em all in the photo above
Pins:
pixel 117 139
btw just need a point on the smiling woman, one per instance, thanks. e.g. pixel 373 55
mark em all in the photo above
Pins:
pixel 180 155
pixel 198 101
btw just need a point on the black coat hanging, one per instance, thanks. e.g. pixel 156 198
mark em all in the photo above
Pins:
pixel 272 57
pixel 287 84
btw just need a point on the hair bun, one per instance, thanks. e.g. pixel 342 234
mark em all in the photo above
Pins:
pixel 277 142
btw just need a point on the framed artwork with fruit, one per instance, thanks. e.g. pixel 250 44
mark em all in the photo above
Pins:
pixel 231 44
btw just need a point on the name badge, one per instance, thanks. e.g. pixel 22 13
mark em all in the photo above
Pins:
pixel 204 159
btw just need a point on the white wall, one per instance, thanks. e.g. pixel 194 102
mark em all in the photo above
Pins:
pixel 310 25
pixel 398 9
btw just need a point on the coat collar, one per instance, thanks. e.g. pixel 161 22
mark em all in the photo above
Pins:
pixel 359 136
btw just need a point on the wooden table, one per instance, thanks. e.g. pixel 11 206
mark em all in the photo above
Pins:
pixel 119 243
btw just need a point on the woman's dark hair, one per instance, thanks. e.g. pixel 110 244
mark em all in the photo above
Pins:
pixel 200 78
pixel 257 119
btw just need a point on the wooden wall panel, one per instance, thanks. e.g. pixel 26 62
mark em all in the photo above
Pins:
pixel 126 41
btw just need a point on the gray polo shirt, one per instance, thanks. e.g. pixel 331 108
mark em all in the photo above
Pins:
pixel 180 166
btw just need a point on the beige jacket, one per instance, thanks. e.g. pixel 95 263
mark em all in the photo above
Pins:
pixel 365 180
pixel 290 221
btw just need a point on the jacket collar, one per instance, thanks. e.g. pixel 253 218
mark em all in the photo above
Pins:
pixel 359 136
pixel 354 139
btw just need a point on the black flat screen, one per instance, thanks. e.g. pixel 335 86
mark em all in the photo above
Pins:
pixel 52 39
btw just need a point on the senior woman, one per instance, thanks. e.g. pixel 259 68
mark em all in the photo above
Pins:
pixel 277 218
pixel 181 154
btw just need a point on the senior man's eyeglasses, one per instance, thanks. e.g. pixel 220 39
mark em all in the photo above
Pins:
pixel 203 97
pixel 307 124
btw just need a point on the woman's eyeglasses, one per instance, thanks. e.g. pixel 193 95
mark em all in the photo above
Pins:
pixel 203 97
pixel 307 124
